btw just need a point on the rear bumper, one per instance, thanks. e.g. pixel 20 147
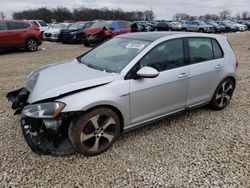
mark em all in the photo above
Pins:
pixel 18 99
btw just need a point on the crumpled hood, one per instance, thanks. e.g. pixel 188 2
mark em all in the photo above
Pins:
pixel 64 77
pixel 92 30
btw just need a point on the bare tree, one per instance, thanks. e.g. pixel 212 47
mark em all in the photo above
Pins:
pixel 245 15
pixel 238 16
pixel 2 15
pixel 225 14
pixel 181 16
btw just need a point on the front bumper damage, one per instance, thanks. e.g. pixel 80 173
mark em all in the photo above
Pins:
pixel 44 136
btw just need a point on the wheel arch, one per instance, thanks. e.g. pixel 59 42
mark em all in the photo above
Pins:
pixel 113 108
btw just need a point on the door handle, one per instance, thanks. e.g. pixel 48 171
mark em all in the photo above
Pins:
pixel 218 66
pixel 183 75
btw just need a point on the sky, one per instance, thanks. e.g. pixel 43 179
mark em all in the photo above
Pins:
pixel 163 9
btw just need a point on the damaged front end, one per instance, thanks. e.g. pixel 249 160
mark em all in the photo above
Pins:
pixel 19 99
pixel 43 125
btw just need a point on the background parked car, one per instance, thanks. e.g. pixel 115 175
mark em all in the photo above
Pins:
pixel 53 33
pixel 198 26
pixel 239 27
pixel 143 26
pixel 41 24
pixel 165 26
pixel 74 33
pixel 245 22
pixel 218 28
pixel 19 34
pixel 103 30
pixel 229 27
pixel 178 26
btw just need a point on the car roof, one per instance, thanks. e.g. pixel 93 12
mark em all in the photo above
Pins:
pixel 153 36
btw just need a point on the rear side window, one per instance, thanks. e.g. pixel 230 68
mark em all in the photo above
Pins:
pixel 165 56
pixel 15 25
pixel 200 49
pixel 3 27
pixel 25 25
pixel 217 49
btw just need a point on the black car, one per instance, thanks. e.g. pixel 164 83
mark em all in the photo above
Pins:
pixel 74 33
pixel 218 28
pixel 245 22
pixel 165 26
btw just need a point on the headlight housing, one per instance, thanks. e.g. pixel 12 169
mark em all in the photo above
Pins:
pixel 31 80
pixel 44 110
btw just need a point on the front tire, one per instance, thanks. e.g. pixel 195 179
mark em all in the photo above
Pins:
pixel 31 45
pixel 95 131
pixel 223 94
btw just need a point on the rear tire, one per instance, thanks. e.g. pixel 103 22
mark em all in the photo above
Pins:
pixel 31 45
pixel 95 131
pixel 223 94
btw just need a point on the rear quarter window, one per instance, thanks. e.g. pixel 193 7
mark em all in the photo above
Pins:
pixel 218 53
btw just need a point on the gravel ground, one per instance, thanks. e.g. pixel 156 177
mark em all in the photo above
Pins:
pixel 203 148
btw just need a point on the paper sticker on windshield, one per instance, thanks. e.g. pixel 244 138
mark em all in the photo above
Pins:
pixel 135 46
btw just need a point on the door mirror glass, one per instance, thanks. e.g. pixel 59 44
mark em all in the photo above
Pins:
pixel 147 72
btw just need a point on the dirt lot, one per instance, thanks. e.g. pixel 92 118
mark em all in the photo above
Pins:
pixel 203 148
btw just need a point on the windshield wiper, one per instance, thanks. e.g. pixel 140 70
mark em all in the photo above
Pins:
pixel 93 66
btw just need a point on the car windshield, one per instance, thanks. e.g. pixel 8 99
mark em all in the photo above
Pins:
pixel 114 55
pixel 42 23
pixel 76 25
pixel 101 24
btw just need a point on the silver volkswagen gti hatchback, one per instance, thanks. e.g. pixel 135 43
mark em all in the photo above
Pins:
pixel 86 103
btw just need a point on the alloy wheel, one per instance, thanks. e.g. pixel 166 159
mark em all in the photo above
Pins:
pixel 224 94
pixel 98 133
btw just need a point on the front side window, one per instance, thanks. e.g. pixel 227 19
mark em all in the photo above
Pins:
pixel 200 49
pixel 165 56
pixel 114 55
pixel 3 27
pixel 15 25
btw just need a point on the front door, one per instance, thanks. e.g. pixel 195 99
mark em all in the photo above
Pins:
pixel 154 97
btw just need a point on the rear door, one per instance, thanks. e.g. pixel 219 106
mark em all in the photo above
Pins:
pixel 17 33
pixel 4 34
pixel 206 63
pixel 154 97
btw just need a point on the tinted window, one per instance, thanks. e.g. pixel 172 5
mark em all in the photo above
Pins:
pixel 165 56
pixel 217 49
pixel 25 25
pixel 3 26
pixel 200 49
pixel 15 25
pixel 42 23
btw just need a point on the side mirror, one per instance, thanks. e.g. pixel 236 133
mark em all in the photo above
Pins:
pixel 147 72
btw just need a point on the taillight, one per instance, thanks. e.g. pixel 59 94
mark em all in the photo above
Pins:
pixel 237 63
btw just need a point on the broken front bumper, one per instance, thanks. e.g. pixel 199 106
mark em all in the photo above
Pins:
pixel 44 136
pixel 19 99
